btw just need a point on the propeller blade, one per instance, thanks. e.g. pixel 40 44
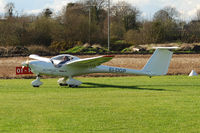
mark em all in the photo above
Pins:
pixel 25 63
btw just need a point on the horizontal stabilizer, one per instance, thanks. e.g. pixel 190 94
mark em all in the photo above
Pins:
pixel 165 47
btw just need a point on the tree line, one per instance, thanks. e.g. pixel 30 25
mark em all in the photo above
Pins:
pixel 86 22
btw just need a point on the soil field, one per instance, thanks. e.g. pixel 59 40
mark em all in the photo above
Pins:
pixel 180 64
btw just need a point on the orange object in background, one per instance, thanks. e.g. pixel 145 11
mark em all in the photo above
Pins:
pixel 21 71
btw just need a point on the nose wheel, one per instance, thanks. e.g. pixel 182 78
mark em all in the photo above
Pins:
pixel 37 82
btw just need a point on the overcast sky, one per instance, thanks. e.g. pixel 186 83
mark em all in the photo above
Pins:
pixel 187 8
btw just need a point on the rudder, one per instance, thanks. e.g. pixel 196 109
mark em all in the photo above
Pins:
pixel 159 62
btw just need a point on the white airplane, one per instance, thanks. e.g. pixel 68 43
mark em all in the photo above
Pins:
pixel 69 66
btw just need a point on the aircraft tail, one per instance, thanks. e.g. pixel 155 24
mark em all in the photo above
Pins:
pixel 159 62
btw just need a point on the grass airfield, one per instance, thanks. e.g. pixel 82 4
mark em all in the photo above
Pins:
pixel 119 104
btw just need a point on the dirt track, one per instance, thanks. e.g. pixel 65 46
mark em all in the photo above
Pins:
pixel 180 64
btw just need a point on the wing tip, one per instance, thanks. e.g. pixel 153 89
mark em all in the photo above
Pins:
pixel 111 56
pixel 30 56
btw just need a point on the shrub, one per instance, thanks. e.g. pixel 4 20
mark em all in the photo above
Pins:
pixel 18 50
pixel 3 51
pixel 58 46
pixel 126 50
pixel 76 49
pixel 41 50
pixel 88 50
pixel 119 45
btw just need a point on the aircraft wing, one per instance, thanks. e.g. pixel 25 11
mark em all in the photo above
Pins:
pixel 90 62
pixel 36 57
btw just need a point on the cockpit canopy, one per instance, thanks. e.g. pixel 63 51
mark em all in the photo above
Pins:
pixel 61 57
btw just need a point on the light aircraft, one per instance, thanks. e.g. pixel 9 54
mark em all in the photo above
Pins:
pixel 69 66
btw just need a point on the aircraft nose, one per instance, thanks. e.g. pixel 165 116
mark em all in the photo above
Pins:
pixel 34 64
pixel 31 63
pixel 25 63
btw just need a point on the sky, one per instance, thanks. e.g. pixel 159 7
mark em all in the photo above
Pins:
pixel 187 8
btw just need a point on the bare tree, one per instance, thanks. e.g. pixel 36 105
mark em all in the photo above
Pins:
pixel 126 13
pixel 172 11
pixel 9 9
pixel 47 12
pixel 167 13
pixel 99 4
pixel 123 8
pixel 162 15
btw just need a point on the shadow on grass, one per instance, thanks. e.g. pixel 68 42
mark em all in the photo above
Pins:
pixel 97 85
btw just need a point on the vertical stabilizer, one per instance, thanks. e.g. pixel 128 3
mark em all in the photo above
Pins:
pixel 159 62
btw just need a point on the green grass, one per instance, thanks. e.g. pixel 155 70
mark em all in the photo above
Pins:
pixel 120 104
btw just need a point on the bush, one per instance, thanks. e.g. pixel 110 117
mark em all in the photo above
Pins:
pixel 196 48
pixel 58 46
pixel 41 50
pixel 87 50
pixel 133 49
pixel 126 50
pixel 3 51
pixel 119 45
pixel 18 50
pixel 76 49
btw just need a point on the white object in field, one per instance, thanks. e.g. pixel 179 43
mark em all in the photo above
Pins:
pixel 193 73
pixel 56 66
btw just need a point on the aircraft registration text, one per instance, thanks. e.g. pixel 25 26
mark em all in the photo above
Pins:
pixel 116 70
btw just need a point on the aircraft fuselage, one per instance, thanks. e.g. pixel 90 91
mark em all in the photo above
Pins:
pixel 45 68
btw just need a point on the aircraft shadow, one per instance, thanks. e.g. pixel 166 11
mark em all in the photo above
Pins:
pixel 97 85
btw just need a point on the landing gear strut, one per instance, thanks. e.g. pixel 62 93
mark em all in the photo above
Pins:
pixel 37 82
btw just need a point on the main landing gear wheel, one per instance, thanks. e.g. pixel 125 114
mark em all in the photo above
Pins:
pixel 73 86
pixel 36 86
pixel 73 83
pixel 37 82
pixel 61 84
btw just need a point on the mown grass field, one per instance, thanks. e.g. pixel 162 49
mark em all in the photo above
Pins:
pixel 120 104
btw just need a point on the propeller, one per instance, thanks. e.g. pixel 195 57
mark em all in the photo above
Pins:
pixel 25 63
